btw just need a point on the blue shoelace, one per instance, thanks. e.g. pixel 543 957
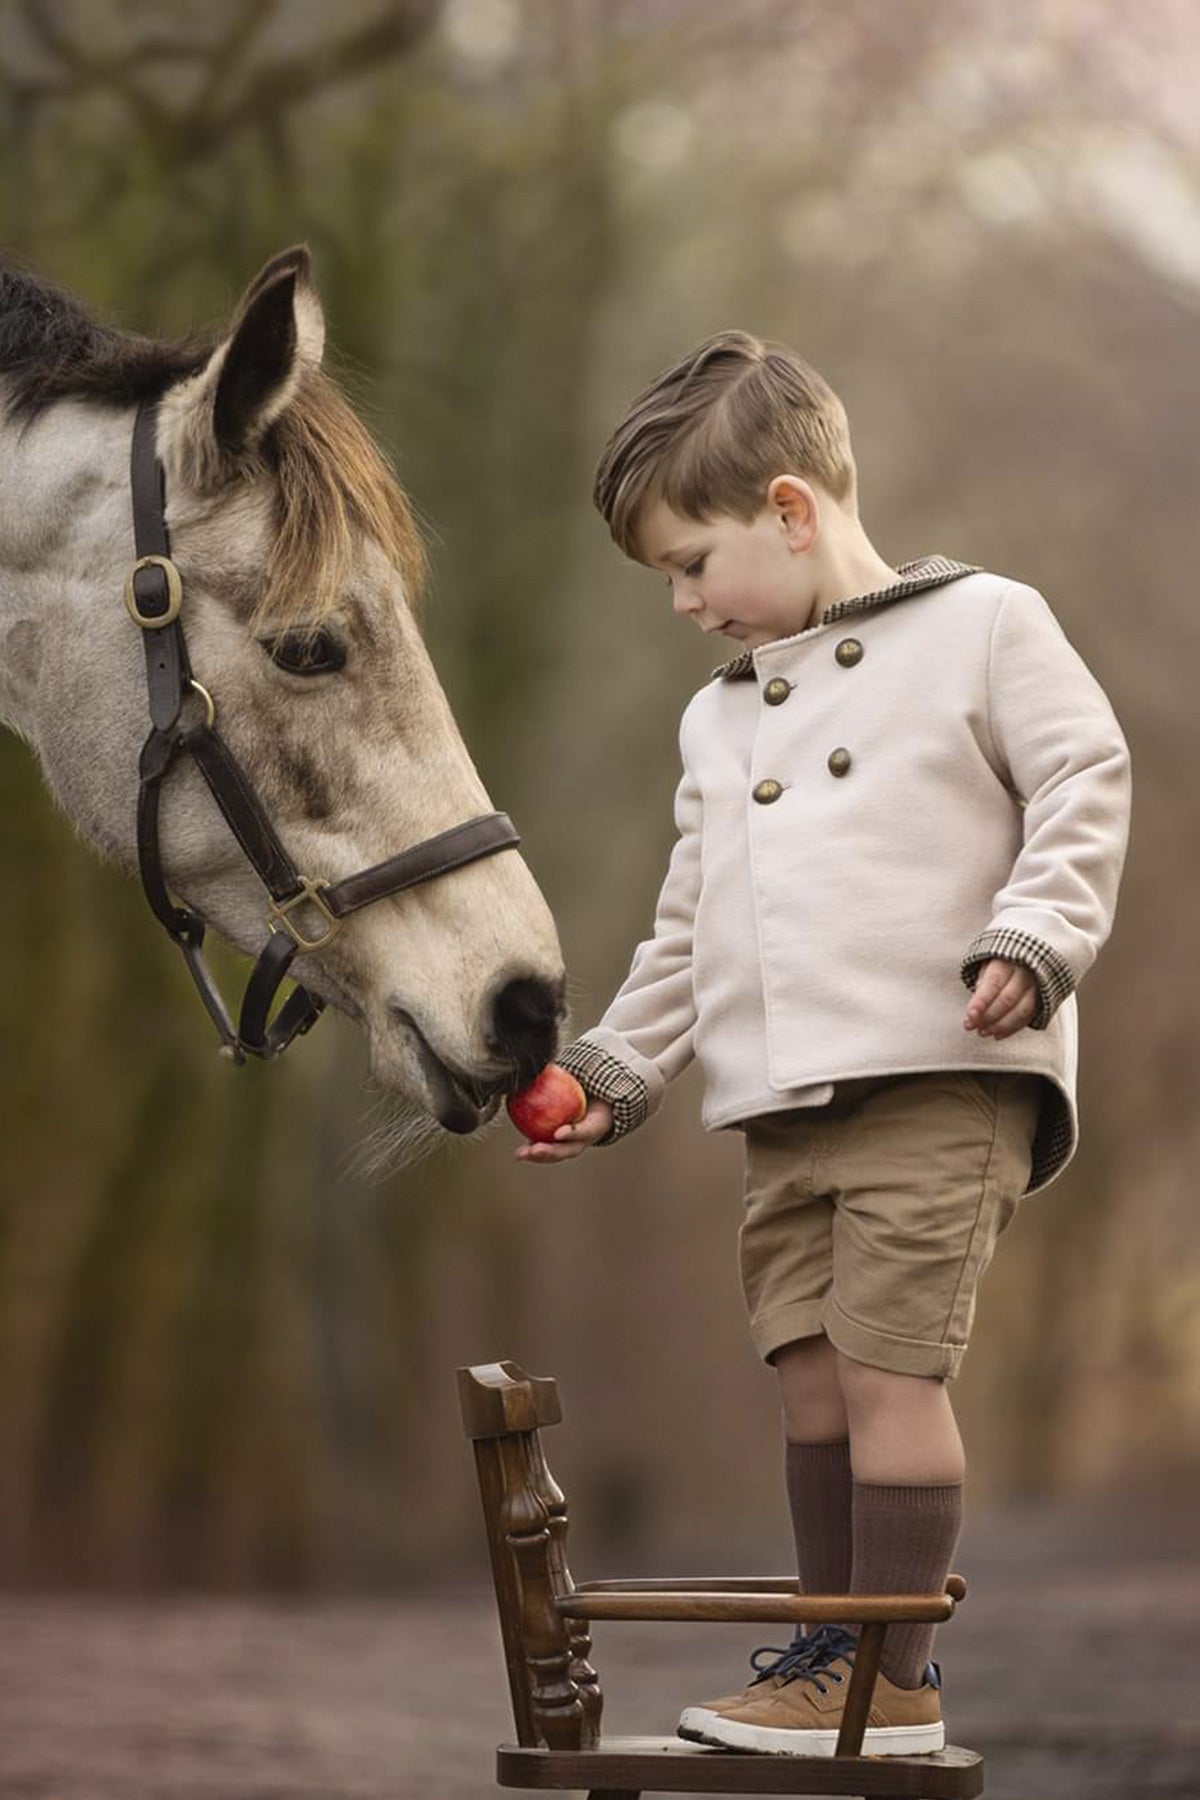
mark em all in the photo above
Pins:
pixel 806 1658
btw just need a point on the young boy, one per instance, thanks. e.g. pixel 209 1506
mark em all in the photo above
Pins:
pixel 906 781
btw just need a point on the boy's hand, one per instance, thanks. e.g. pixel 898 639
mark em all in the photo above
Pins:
pixel 571 1140
pixel 1004 1000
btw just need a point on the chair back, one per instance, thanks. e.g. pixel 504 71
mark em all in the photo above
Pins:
pixel 556 1696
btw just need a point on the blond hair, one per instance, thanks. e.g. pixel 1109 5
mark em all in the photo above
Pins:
pixel 710 434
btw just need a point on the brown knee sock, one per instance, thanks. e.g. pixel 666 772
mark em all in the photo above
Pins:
pixel 904 1539
pixel 818 1486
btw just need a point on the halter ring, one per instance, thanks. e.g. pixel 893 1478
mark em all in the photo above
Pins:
pixel 210 710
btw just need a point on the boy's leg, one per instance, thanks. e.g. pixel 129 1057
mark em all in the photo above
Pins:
pixel 925 1178
pixel 908 1469
pixel 817 1463
pixel 810 1391
pixel 902 1427
pixel 818 1486
pixel 785 1250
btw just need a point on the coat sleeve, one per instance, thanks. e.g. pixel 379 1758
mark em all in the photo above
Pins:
pixel 645 1038
pixel 1068 762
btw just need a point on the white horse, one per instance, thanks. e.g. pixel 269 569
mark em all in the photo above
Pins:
pixel 300 568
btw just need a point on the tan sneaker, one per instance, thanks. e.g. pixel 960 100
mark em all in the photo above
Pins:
pixel 802 1714
pixel 694 1721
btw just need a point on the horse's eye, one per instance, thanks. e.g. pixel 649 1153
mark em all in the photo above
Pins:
pixel 306 653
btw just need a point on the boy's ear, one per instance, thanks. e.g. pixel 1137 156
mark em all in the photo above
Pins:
pixel 795 501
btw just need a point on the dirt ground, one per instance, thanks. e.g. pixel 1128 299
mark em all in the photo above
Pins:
pixel 1073 1666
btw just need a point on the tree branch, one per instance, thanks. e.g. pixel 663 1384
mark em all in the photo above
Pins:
pixel 93 71
pixel 194 131
pixel 252 17
pixel 293 79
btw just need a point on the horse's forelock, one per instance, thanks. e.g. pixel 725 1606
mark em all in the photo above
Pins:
pixel 334 488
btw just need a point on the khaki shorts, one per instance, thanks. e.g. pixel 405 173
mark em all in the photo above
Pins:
pixel 874 1217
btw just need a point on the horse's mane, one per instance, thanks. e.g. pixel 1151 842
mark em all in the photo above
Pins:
pixel 52 349
pixel 332 481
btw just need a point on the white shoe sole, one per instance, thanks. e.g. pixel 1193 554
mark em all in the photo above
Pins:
pixel 701 1726
pixel 694 1721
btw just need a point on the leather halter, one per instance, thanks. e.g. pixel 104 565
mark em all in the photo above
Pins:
pixel 153 594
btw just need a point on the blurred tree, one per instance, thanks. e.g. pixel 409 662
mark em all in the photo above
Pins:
pixel 218 1344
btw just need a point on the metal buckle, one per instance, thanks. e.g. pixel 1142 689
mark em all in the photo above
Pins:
pixel 279 910
pixel 174 593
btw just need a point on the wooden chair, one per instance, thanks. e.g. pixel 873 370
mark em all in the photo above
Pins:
pixel 544 1618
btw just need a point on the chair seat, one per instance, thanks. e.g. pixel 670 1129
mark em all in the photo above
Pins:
pixel 672 1765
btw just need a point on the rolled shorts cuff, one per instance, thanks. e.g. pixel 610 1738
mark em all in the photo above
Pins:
pixel 784 1324
pixel 904 1356
pixel 805 1318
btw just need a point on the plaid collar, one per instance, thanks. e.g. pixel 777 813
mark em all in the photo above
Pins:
pixel 925 572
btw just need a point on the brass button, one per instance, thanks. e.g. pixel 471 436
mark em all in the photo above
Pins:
pixel 768 790
pixel 777 691
pixel 839 762
pixel 849 652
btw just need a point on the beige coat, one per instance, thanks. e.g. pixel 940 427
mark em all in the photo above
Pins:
pixel 868 811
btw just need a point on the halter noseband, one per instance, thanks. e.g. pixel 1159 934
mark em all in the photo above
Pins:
pixel 154 594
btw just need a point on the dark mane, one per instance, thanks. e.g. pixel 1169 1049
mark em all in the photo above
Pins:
pixel 52 349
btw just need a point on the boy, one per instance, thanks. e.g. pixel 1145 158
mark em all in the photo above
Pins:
pixel 905 781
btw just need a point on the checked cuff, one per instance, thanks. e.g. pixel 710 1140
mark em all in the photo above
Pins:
pixel 603 1077
pixel 1051 971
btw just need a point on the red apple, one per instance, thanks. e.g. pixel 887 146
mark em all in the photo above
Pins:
pixel 554 1098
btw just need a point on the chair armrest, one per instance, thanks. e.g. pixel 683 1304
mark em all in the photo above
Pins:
pixel 697 1584
pixel 956 1587
pixel 758 1608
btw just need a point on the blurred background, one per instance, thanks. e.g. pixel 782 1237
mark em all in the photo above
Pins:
pixel 226 1361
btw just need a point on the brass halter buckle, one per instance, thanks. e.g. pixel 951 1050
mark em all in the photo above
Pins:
pixel 279 914
pixel 174 593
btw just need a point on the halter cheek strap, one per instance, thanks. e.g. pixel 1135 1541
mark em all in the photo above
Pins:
pixel 154 597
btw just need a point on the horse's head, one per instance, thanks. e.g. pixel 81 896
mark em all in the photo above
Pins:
pixel 301 567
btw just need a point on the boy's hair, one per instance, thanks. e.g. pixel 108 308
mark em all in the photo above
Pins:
pixel 710 435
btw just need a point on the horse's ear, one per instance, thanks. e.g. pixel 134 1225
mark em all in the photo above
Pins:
pixel 277 331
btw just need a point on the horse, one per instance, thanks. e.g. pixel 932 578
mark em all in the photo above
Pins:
pixel 296 562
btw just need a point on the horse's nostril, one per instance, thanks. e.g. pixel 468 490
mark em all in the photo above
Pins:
pixel 526 1003
pixel 525 1015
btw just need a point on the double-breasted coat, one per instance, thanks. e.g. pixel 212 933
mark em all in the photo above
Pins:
pixel 869 810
